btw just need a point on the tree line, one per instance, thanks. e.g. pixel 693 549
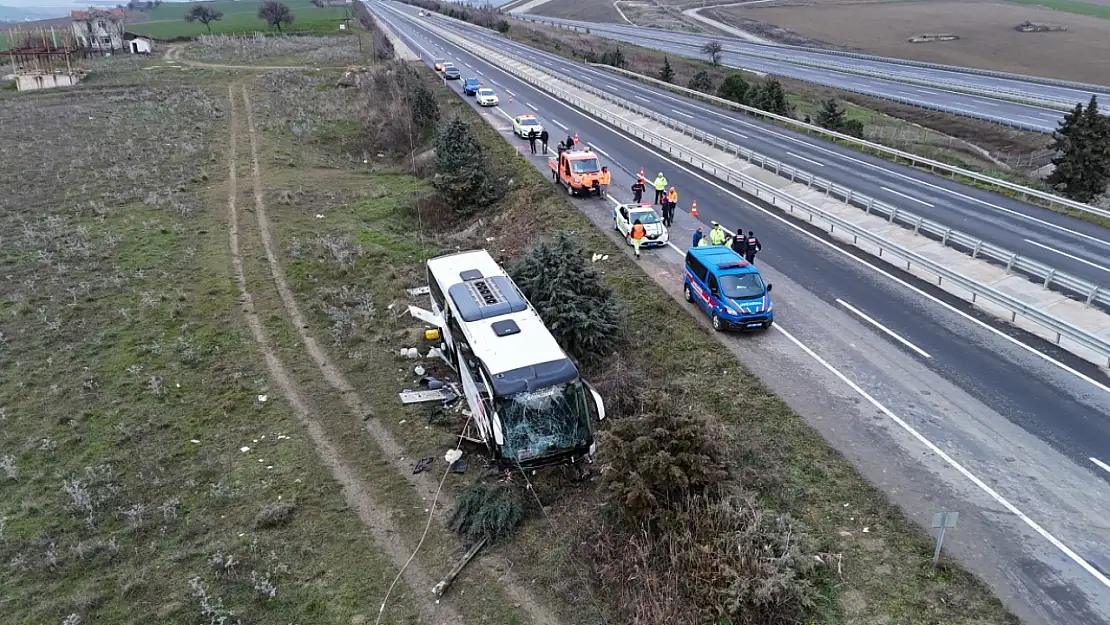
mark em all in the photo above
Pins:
pixel 276 14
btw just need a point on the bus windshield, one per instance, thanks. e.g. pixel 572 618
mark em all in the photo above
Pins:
pixel 544 422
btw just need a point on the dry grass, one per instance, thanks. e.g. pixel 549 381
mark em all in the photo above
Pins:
pixel 142 449
pixel 986 30
pixel 280 50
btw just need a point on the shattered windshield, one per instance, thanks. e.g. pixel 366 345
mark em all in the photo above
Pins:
pixel 585 166
pixel 545 421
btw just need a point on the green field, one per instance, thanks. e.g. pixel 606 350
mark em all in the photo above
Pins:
pixel 168 20
pixel 1071 6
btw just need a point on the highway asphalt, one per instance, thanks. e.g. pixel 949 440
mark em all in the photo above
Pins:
pixel 1007 405
pixel 1061 241
pixel 797 63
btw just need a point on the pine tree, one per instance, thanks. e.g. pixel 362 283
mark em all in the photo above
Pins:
pixel 1082 162
pixel 771 97
pixel 831 116
pixel 701 82
pixel 462 175
pixel 667 73
pixel 735 88
pixel 579 309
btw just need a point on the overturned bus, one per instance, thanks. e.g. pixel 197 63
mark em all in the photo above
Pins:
pixel 530 406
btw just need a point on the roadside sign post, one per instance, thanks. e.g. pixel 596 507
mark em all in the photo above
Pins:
pixel 942 520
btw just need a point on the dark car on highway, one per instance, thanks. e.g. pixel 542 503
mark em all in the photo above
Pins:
pixel 452 73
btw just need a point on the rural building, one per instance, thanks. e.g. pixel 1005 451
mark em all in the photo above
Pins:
pixel 138 44
pixel 42 59
pixel 99 30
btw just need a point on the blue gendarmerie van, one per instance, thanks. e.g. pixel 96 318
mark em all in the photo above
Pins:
pixel 728 288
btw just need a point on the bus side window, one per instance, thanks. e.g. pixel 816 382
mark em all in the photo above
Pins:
pixel 437 294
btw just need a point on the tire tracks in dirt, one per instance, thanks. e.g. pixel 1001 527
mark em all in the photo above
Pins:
pixel 423 483
pixel 375 517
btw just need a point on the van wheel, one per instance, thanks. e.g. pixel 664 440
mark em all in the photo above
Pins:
pixel 767 326
pixel 570 190
pixel 717 325
pixel 687 293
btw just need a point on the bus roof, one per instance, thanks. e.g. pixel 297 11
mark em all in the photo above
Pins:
pixel 502 328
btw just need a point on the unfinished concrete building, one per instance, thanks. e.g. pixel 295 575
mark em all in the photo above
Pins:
pixel 43 59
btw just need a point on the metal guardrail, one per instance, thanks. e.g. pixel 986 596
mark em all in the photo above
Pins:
pixel 875 93
pixel 1039 80
pixel 1051 199
pixel 933 165
pixel 531 73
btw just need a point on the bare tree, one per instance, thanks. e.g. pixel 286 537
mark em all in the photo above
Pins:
pixel 205 15
pixel 713 50
pixel 275 14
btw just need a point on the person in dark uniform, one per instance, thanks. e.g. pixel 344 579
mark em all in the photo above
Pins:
pixel 752 247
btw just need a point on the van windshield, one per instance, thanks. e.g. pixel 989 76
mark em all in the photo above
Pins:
pixel 743 286
pixel 585 166
pixel 545 421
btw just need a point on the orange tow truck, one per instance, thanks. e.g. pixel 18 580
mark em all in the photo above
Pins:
pixel 578 170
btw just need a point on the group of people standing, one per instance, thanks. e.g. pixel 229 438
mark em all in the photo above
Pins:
pixel 746 246
pixel 666 198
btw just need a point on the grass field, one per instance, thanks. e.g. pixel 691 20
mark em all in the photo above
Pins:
pixel 986 30
pixel 1094 9
pixel 200 420
pixel 168 20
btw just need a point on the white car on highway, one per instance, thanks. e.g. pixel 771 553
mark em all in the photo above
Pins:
pixel 656 234
pixel 487 97
pixel 524 124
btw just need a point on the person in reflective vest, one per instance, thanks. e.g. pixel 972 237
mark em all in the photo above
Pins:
pixel 660 188
pixel 637 236
pixel 605 178
pixel 717 234
pixel 753 247
pixel 669 206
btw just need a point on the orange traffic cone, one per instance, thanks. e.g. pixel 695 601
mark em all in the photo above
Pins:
pixel 694 209
pixel 641 173
pixel 575 137
pixel 510 98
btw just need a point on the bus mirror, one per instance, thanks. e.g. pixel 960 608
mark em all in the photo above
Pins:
pixel 598 402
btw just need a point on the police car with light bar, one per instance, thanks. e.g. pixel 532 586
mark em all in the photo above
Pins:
pixel 655 233
pixel 728 288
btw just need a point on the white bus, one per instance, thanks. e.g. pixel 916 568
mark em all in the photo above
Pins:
pixel 529 403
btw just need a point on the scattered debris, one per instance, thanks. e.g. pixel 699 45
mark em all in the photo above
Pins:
pixel 420 397
pixel 418 370
pixel 422 464
pixel 459 466
pixel 1038 27
pixel 244 449
pixel 409 352
pixel 420 290
pixel 452 456
pixel 263 398
pixel 195 441
pixel 431 384
pixel 441 587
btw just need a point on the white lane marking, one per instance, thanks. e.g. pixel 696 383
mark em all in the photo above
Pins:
pixel 683 114
pixel 502 111
pixel 848 255
pixel 479 71
pixel 808 160
pixel 531 106
pixel 1073 556
pixel 733 132
pixel 417 44
pixel 557 123
pixel 885 329
pixel 990 103
pixel 1075 258
pixel 598 150
pixel 908 197
pixel 510 93
pixel 641 98
pixel 1101 464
